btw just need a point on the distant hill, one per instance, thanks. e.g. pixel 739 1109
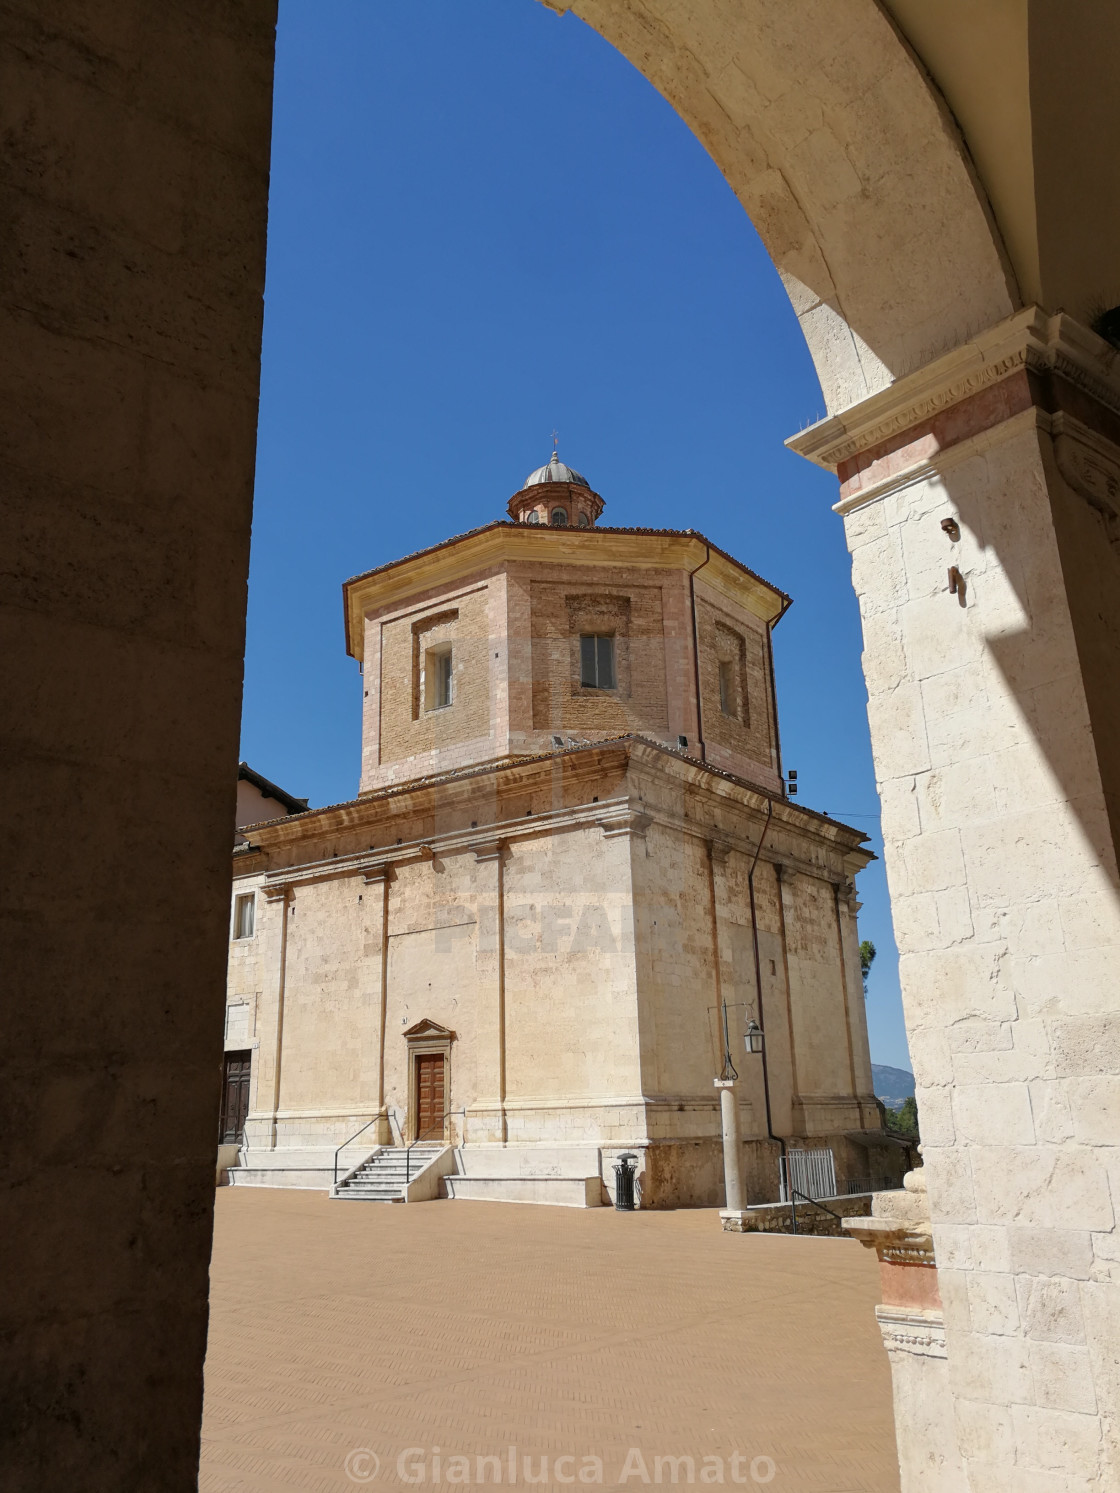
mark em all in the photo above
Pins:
pixel 892 1085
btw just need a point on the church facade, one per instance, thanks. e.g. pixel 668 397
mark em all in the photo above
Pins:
pixel 571 880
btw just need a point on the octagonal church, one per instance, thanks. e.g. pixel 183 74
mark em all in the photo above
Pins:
pixel 571 879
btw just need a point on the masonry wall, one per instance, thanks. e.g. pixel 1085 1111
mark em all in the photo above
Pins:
pixel 514 631
pixel 1003 884
pixel 403 736
pixel 133 201
pixel 605 966
pixel 742 738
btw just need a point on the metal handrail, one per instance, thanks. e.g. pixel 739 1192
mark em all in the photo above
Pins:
pixel 387 1114
pixel 796 1193
pixel 434 1125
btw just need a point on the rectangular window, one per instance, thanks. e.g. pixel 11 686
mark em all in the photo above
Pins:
pixel 596 660
pixel 727 701
pixel 437 678
pixel 244 909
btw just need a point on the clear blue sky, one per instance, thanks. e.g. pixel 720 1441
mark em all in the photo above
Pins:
pixel 485 223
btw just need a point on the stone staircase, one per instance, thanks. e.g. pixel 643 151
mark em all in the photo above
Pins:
pixel 381 1179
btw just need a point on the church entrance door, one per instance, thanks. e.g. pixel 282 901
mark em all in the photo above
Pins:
pixel 235 1096
pixel 430 1095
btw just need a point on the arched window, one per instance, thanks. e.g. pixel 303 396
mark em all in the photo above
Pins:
pixel 584 522
pixel 560 517
pixel 534 517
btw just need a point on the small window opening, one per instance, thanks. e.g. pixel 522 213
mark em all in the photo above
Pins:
pixel 583 521
pixel 596 660
pixel 437 678
pixel 533 518
pixel 728 695
pixel 244 910
pixel 560 518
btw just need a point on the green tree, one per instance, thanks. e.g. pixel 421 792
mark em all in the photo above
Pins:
pixel 866 959
pixel 904 1119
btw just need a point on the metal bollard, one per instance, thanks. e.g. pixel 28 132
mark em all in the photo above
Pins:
pixel 625 1170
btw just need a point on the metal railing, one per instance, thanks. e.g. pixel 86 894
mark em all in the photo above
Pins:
pixel 796 1193
pixel 388 1114
pixel 435 1125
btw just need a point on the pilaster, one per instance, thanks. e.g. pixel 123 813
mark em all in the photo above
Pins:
pixel 980 501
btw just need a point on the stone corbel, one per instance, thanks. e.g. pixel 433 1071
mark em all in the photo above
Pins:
pixel 628 822
pixel 1091 466
pixel 719 850
pixel 277 891
pixel 895 1241
pixel 787 874
pixel 487 850
pixel 375 875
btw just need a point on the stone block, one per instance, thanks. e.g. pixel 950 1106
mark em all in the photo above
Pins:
pixel 952 1245
pixel 949 1183
pixel 1051 1109
pixel 898 732
pixel 985 1431
pixel 934 861
pixel 1062 1377
pixel 1042 1187
pixel 993 1307
pixel 936 1109
pixel 1054 1252
pixel 1058 1441
pixel 992 1369
pixel 981 1036
pixel 1094 1104
pixel 1050 1309
pixel 990 1247
pixel 1085 1045
pixel 997 1114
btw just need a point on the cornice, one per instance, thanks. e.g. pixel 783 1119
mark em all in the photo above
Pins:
pixel 1030 340
pixel 500 544
pixel 628 753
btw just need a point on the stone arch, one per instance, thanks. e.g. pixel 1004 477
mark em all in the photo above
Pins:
pixel 847 161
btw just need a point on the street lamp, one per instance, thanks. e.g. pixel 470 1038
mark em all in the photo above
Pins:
pixel 754 1037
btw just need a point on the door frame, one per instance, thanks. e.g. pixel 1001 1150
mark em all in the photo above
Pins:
pixel 422 1039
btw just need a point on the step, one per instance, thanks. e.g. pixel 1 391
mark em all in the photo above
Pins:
pixel 565 1192
pixel 383 1178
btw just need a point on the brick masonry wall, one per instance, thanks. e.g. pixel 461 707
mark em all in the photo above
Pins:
pixel 408 728
pixel 745 740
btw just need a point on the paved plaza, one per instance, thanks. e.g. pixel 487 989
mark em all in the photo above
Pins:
pixel 591 1343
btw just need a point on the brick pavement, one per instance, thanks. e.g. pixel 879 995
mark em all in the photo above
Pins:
pixel 473 1327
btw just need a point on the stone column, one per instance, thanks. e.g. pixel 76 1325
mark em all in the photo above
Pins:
pixel 734 1192
pixel 981 500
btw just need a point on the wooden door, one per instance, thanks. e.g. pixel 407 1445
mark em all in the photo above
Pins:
pixel 235 1096
pixel 430 1105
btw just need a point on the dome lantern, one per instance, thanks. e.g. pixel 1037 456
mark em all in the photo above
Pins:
pixel 556 495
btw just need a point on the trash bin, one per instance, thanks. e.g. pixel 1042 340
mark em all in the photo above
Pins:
pixel 625 1170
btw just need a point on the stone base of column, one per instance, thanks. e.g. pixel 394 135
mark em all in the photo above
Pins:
pixel 733 1220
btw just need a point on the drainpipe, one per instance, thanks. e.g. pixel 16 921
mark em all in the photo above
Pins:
pixel 696 653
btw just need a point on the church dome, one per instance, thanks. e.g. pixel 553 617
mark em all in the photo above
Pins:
pixel 557 496
pixel 555 471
